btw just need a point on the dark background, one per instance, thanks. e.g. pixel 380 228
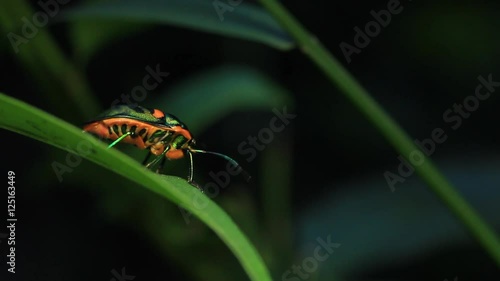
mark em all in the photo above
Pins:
pixel 322 176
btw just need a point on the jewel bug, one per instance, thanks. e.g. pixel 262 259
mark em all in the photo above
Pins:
pixel 164 135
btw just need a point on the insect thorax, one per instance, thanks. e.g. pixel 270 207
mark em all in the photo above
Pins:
pixel 179 142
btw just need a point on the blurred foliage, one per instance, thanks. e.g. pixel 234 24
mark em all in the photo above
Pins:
pixel 248 22
pixel 322 176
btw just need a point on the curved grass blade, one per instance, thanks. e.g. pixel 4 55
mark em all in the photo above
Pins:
pixel 396 136
pixel 24 119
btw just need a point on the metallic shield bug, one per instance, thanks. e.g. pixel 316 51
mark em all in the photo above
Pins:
pixel 161 133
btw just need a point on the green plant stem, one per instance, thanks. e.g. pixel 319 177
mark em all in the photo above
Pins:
pixel 387 126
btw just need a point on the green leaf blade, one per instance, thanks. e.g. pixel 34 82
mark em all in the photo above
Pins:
pixel 24 119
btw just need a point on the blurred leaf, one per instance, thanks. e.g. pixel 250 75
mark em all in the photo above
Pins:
pixel 241 21
pixel 86 43
pixel 83 34
pixel 62 84
pixel 379 228
pixel 277 175
pixel 24 119
pixel 460 53
pixel 218 92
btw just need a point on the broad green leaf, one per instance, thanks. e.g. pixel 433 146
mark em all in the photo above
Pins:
pixel 24 119
pixel 242 21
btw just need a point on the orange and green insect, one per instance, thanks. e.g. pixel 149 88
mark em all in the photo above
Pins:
pixel 164 135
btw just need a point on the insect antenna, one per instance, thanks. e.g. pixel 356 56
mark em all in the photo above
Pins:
pixel 245 175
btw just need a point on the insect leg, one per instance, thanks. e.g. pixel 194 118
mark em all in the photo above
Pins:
pixel 191 169
pixel 162 155
pixel 119 139
pixel 191 172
